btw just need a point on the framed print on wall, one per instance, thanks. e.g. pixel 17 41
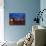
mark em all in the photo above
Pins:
pixel 17 18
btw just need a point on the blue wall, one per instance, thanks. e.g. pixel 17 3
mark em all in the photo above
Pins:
pixel 29 7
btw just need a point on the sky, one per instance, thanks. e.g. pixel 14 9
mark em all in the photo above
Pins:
pixel 17 15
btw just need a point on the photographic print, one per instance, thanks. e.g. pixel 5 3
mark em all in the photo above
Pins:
pixel 17 18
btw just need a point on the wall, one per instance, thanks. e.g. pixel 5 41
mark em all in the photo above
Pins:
pixel 1 20
pixel 29 7
pixel 42 6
